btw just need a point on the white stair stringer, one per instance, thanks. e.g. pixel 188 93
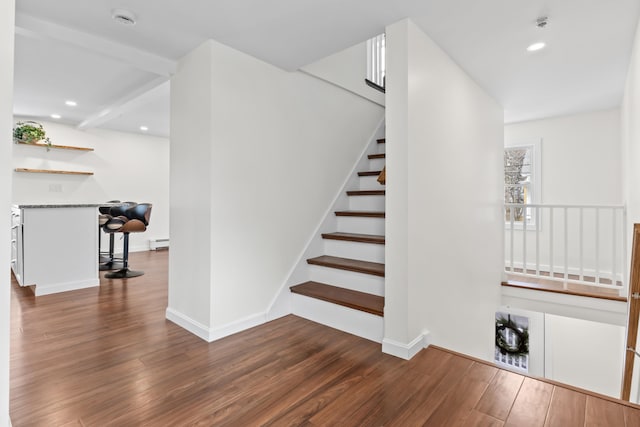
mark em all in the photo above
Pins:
pixel 355 322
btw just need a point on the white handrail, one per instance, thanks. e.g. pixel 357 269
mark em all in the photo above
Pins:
pixel 590 249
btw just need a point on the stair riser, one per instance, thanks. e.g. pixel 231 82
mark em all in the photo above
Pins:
pixel 362 225
pixel 354 250
pixel 370 183
pixel 355 322
pixel 380 148
pixel 366 203
pixel 376 164
pixel 347 279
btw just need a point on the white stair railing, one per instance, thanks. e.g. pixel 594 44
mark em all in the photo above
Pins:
pixel 376 60
pixel 583 245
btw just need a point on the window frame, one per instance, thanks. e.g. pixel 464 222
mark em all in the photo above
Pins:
pixel 535 145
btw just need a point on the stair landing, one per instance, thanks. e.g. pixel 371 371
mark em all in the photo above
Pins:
pixel 546 285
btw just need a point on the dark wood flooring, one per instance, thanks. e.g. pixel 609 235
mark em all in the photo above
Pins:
pixel 107 357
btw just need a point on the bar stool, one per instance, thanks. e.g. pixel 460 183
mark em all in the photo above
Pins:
pixel 106 260
pixel 126 220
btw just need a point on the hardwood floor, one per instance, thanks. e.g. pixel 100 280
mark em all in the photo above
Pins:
pixel 107 357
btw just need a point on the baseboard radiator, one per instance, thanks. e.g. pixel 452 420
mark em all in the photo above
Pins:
pixel 156 244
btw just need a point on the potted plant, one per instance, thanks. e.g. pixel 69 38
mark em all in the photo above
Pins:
pixel 30 132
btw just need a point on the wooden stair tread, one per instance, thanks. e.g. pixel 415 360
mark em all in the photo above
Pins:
pixel 366 267
pixel 377 156
pixel 366 193
pixel 368 214
pixel 361 301
pixel 382 141
pixel 355 237
pixel 369 173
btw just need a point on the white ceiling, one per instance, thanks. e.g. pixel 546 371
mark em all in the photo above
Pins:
pixel 72 49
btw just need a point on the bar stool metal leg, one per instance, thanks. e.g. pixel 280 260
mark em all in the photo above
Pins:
pixel 124 272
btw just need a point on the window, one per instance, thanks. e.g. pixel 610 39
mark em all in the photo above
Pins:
pixel 521 177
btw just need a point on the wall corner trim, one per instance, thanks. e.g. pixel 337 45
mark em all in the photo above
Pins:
pixel 406 351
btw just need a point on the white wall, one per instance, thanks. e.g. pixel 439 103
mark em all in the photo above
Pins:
pixel 126 166
pixel 347 69
pixel 277 148
pixel 581 164
pixel 581 156
pixel 7 14
pixel 191 185
pixel 584 354
pixel 444 198
pixel 630 112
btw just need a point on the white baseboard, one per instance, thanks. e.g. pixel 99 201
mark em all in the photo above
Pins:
pixel 209 334
pixel 185 322
pixel 237 326
pixel 406 351
pixel 66 286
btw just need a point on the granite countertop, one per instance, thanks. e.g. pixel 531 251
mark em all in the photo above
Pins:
pixel 68 205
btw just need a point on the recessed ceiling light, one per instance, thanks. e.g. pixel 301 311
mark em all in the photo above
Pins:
pixel 536 46
pixel 144 128
pixel 123 17
pixel 70 103
pixel 56 116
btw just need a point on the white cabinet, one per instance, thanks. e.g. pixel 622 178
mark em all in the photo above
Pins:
pixel 55 247
pixel 16 245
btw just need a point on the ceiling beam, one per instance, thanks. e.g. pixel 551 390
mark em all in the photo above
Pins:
pixel 131 101
pixel 29 26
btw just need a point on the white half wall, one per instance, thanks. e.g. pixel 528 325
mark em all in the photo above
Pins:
pixel 347 69
pixel 584 354
pixel 444 198
pixel 273 150
pixel 126 166
pixel 630 113
pixel 7 26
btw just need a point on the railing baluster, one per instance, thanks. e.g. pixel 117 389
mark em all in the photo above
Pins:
pixel 538 227
pixel 597 245
pixel 566 246
pixel 613 247
pixel 551 242
pixel 375 61
pixel 511 235
pixel 524 240
pixel 581 243
pixel 625 285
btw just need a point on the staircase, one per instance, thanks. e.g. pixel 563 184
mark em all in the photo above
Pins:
pixel 346 286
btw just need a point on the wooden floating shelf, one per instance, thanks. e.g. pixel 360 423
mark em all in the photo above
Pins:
pixel 52 171
pixel 60 147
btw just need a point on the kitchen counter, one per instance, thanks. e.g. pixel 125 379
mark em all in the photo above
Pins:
pixel 54 247
pixel 84 205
